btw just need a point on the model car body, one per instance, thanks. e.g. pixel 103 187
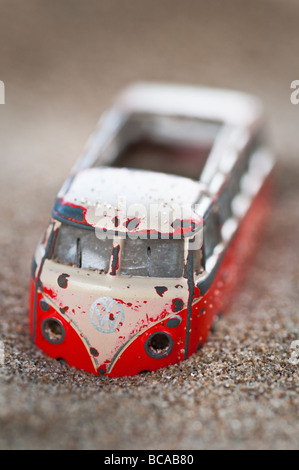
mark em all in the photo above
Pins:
pixel 152 231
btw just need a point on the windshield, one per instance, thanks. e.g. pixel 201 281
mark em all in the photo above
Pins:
pixel 139 257
pixel 81 248
pixel 153 258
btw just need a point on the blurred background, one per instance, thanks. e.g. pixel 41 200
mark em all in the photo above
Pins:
pixel 62 63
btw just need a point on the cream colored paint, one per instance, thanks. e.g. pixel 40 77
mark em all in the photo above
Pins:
pixel 86 287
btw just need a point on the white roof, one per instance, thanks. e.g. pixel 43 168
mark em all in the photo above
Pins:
pixel 152 201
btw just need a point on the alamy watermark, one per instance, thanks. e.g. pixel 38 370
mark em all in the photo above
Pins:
pixel 151 221
pixel 295 94
pixel 2 353
pixel 2 92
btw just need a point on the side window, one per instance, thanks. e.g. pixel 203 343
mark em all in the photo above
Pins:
pixel 195 245
pixel 211 233
pixel 224 204
pixel 231 189
pixel 233 185
pixel 197 261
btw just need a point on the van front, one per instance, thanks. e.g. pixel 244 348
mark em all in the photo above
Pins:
pixel 111 291
pixel 113 306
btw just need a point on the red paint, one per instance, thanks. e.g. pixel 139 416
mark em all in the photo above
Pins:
pixel 72 349
pixel 50 292
pixel 134 358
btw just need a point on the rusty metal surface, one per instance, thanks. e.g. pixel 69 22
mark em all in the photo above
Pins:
pixel 62 62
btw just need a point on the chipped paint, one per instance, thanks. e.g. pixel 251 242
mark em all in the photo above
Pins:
pixel 160 290
pixel 115 260
pixel 177 305
pixel 62 280
pixel 107 322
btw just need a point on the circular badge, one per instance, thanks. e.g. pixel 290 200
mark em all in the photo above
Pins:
pixel 106 315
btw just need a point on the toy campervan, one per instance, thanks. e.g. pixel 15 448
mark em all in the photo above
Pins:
pixel 153 230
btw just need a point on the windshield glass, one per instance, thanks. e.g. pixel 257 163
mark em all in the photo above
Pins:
pixel 140 257
pixel 81 248
pixel 153 258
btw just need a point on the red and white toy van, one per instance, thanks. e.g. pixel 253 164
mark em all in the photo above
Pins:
pixel 153 230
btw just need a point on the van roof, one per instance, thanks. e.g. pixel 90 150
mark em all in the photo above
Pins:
pixel 121 200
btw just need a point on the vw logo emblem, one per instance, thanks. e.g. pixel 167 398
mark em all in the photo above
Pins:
pixel 106 315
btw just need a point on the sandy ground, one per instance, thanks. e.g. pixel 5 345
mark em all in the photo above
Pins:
pixel 62 63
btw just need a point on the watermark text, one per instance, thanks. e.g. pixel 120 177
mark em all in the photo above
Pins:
pixel 2 92
pixel 153 221
pixel 295 94
pixel 294 359
pixel 2 353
